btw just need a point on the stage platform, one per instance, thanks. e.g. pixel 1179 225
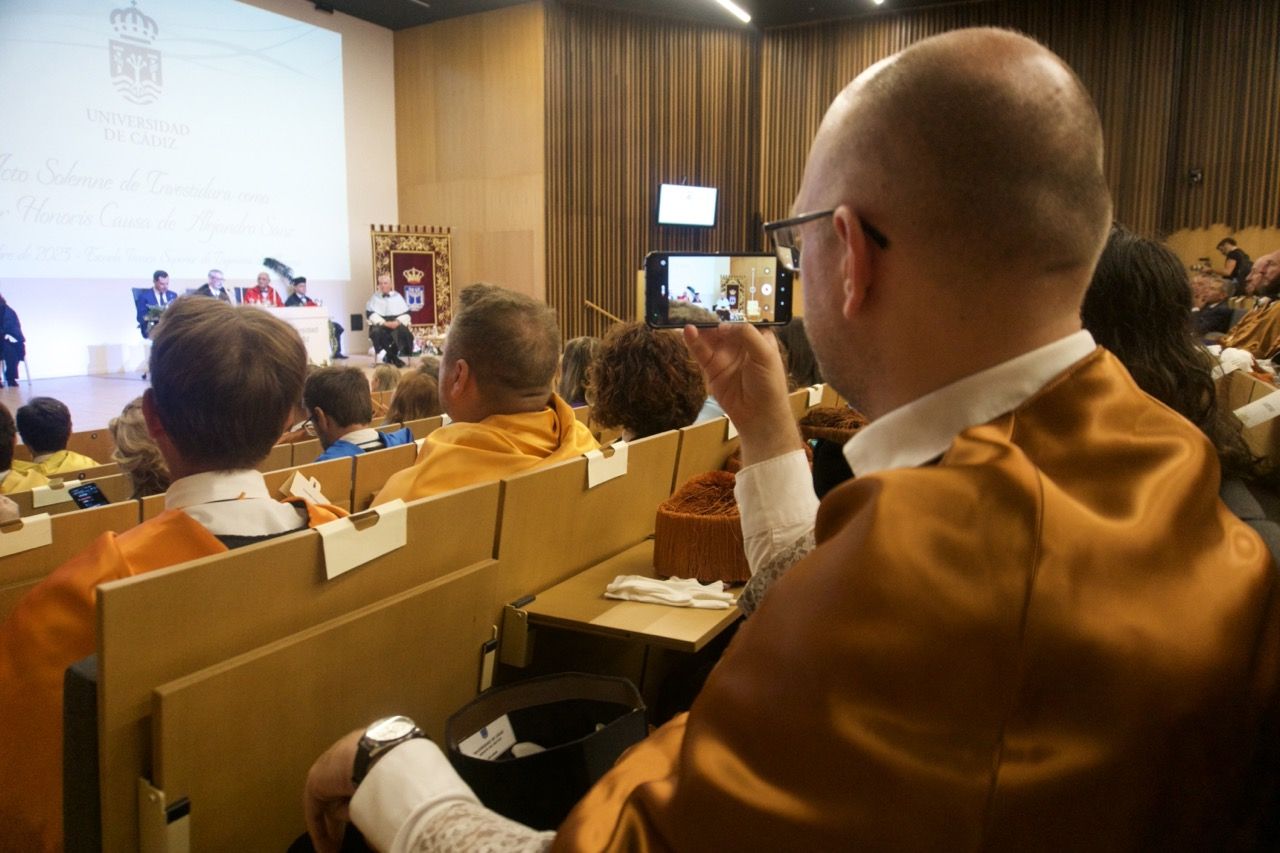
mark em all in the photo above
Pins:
pixel 95 400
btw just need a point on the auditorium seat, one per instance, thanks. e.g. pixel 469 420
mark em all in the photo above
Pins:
pixel 262 629
pixel 72 532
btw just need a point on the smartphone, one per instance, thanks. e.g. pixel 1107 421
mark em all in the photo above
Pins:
pixel 706 289
pixel 87 495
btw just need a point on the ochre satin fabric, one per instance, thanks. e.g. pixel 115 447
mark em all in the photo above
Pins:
pixel 1257 332
pixel 62 462
pixel 463 454
pixel 1055 639
pixel 52 627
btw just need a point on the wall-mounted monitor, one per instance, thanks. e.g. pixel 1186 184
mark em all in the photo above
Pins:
pixel 679 204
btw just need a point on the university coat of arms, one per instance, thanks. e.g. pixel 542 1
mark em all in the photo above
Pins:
pixel 135 65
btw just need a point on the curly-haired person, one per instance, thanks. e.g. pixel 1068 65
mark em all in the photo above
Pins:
pixel 643 382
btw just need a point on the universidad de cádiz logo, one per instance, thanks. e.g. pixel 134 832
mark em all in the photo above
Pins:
pixel 135 65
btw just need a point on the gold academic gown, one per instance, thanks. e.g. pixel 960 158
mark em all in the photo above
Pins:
pixel 22 481
pixel 463 454
pixel 52 627
pixel 62 462
pixel 1258 332
pixel 1056 638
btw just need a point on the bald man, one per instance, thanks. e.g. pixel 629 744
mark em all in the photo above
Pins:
pixel 1258 331
pixel 263 293
pixel 1027 623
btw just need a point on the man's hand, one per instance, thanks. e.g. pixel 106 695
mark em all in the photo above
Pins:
pixel 393 324
pixel 744 372
pixel 328 793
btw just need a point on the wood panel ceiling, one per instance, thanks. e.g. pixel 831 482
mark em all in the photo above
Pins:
pixel 402 14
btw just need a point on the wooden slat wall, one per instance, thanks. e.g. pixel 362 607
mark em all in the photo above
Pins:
pixel 1124 50
pixel 469 141
pixel 633 101
pixel 1231 116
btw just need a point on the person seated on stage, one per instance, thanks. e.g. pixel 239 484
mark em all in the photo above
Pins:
pixel 136 454
pixel 575 363
pixel 417 396
pixel 13 344
pixel 300 299
pixel 644 382
pixel 214 419
pixel 495 384
pixel 11 479
pixel 1211 314
pixel 389 323
pixel 337 400
pixel 1028 623
pixel 45 426
pixel 152 302
pixel 262 293
pixel 213 287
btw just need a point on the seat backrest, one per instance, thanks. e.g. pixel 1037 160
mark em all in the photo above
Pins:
pixel 305 452
pixel 117 488
pixel 334 476
pixel 230 604
pixel 137 294
pixel 553 526
pixel 372 470
pixel 94 443
pixel 280 456
pixel 423 427
pixel 703 447
pixel 294 697
pixel 72 533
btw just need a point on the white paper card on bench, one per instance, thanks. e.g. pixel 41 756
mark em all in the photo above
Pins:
pixel 420 442
pixel 307 488
pixel 731 431
pixel 815 394
pixel 54 493
pixel 1259 411
pixel 602 469
pixel 353 541
pixel 491 741
pixel 445 420
pixel 34 531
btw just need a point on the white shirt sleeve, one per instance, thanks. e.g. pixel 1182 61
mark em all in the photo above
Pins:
pixel 413 799
pixel 778 506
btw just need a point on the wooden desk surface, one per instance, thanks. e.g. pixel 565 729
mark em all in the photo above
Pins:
pixel 579 604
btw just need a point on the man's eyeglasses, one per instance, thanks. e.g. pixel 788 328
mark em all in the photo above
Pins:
pixel 786 236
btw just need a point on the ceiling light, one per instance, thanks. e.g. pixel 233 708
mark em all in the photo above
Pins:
pixel 878 2
pixel 736 10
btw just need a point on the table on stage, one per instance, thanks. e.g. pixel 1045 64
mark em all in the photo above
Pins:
pixel 312 324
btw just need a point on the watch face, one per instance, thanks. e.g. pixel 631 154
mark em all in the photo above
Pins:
pixel 389 729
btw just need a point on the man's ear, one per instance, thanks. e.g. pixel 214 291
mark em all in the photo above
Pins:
pixel 856 266
pixel 155 428
pixel 462 378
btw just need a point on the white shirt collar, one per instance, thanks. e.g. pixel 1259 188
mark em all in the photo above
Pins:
pixel 923 429
pixel 361 436
pixel 234 503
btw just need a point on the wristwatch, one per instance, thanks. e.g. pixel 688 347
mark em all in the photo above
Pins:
pixel 380 738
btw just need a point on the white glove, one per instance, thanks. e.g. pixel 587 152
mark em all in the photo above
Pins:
pixel 676 592
pixel 11 339
pixel 376 320
pixel 403 319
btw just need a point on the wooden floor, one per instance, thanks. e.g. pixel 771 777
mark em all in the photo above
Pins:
pixel 95 400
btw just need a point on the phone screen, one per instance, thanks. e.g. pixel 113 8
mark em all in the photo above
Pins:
pixel 88 495
pixel 709 289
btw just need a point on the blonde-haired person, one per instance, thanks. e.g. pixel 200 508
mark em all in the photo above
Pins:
pixel 417 396
pixel 135 452
pixel 575 365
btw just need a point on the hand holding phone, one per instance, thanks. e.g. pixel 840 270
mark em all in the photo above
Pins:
pixel 706 289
